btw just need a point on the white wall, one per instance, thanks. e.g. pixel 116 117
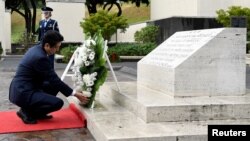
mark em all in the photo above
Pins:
pixel 209 7
pixel 1 20
pixel 203 8
pixel 168 8
pixel 245 3
pixel 68 16
pixel 7 31
pixel 128 36
pixel 5 28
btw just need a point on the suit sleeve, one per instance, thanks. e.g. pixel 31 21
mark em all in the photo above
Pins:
pixel 44 69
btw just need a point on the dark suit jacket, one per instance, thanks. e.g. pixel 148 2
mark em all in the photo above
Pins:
pixel 51 25
pixel 33 70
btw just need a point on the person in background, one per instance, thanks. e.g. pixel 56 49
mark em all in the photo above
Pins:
pixel 45 25
pixel 27 89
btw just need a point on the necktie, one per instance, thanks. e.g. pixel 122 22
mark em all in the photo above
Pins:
pixel 45 23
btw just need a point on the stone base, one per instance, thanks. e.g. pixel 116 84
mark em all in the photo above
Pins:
pixel 154 106
pixel 110 121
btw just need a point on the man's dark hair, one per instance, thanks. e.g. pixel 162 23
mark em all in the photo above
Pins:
pixel 52 37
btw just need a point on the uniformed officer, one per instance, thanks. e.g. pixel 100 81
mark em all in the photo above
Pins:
pixel 47 23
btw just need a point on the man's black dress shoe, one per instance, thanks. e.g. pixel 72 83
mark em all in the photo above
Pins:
pixel 25 117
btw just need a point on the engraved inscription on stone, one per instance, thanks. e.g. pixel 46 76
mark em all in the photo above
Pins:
pixel 179 46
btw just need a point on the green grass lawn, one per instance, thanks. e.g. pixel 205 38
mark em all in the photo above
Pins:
pixel 131 12
pixel 136 14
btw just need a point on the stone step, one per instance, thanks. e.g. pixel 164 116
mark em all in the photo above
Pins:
pixel 154 106
pixel 108 121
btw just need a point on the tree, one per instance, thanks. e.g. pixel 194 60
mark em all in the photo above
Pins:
pixel 108 5
pixel 147 34
pixel 225 15
pixel 27 9
pixel 107 23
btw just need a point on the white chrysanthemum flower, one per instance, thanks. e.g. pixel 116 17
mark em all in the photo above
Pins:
pixel 93 78
pixel 87 63
pixel 92 55
pixel 78 62
pixel 90 42
pixel 83 49
pixel 88 80
pixel 89 50
pixel 90 83
pixel 94 74
pixel 89 89
pixel 83 57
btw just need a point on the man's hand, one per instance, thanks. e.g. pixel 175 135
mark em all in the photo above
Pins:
pixel 82 98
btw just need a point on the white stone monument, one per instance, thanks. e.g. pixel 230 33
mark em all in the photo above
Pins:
pixel 197 63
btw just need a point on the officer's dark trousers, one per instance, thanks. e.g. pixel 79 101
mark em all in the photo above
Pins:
pixel 44 101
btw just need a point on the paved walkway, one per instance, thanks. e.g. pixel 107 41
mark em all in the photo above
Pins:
pixel 124 72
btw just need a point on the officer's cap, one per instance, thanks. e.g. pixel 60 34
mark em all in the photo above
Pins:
pixel 47 9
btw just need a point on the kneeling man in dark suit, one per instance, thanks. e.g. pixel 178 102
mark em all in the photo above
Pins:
pixel 28 90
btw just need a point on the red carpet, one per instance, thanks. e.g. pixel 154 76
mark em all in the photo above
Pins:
pixel 69 117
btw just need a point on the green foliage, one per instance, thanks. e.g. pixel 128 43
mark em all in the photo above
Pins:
pixel 107 23
pixel 147 34
pixel 67 52
pixel 26 39
pixel 101 77
pixel 224 16
pixel 131 49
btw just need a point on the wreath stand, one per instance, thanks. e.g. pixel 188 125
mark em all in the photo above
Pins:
pixel 66 71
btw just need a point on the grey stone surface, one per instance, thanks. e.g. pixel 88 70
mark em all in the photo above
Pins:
pixel 154 106
pixel 208 62
pixel 109 121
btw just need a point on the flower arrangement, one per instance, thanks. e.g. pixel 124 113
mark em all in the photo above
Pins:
pixel 89 67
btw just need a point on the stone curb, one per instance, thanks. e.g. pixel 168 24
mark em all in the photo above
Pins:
pixel 131 57
pixel 128 70
pixel 12 56
pixel 115 68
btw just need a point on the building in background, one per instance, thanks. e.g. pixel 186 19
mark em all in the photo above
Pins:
pixel 69 14
pixel 5 28
pixel 161 9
